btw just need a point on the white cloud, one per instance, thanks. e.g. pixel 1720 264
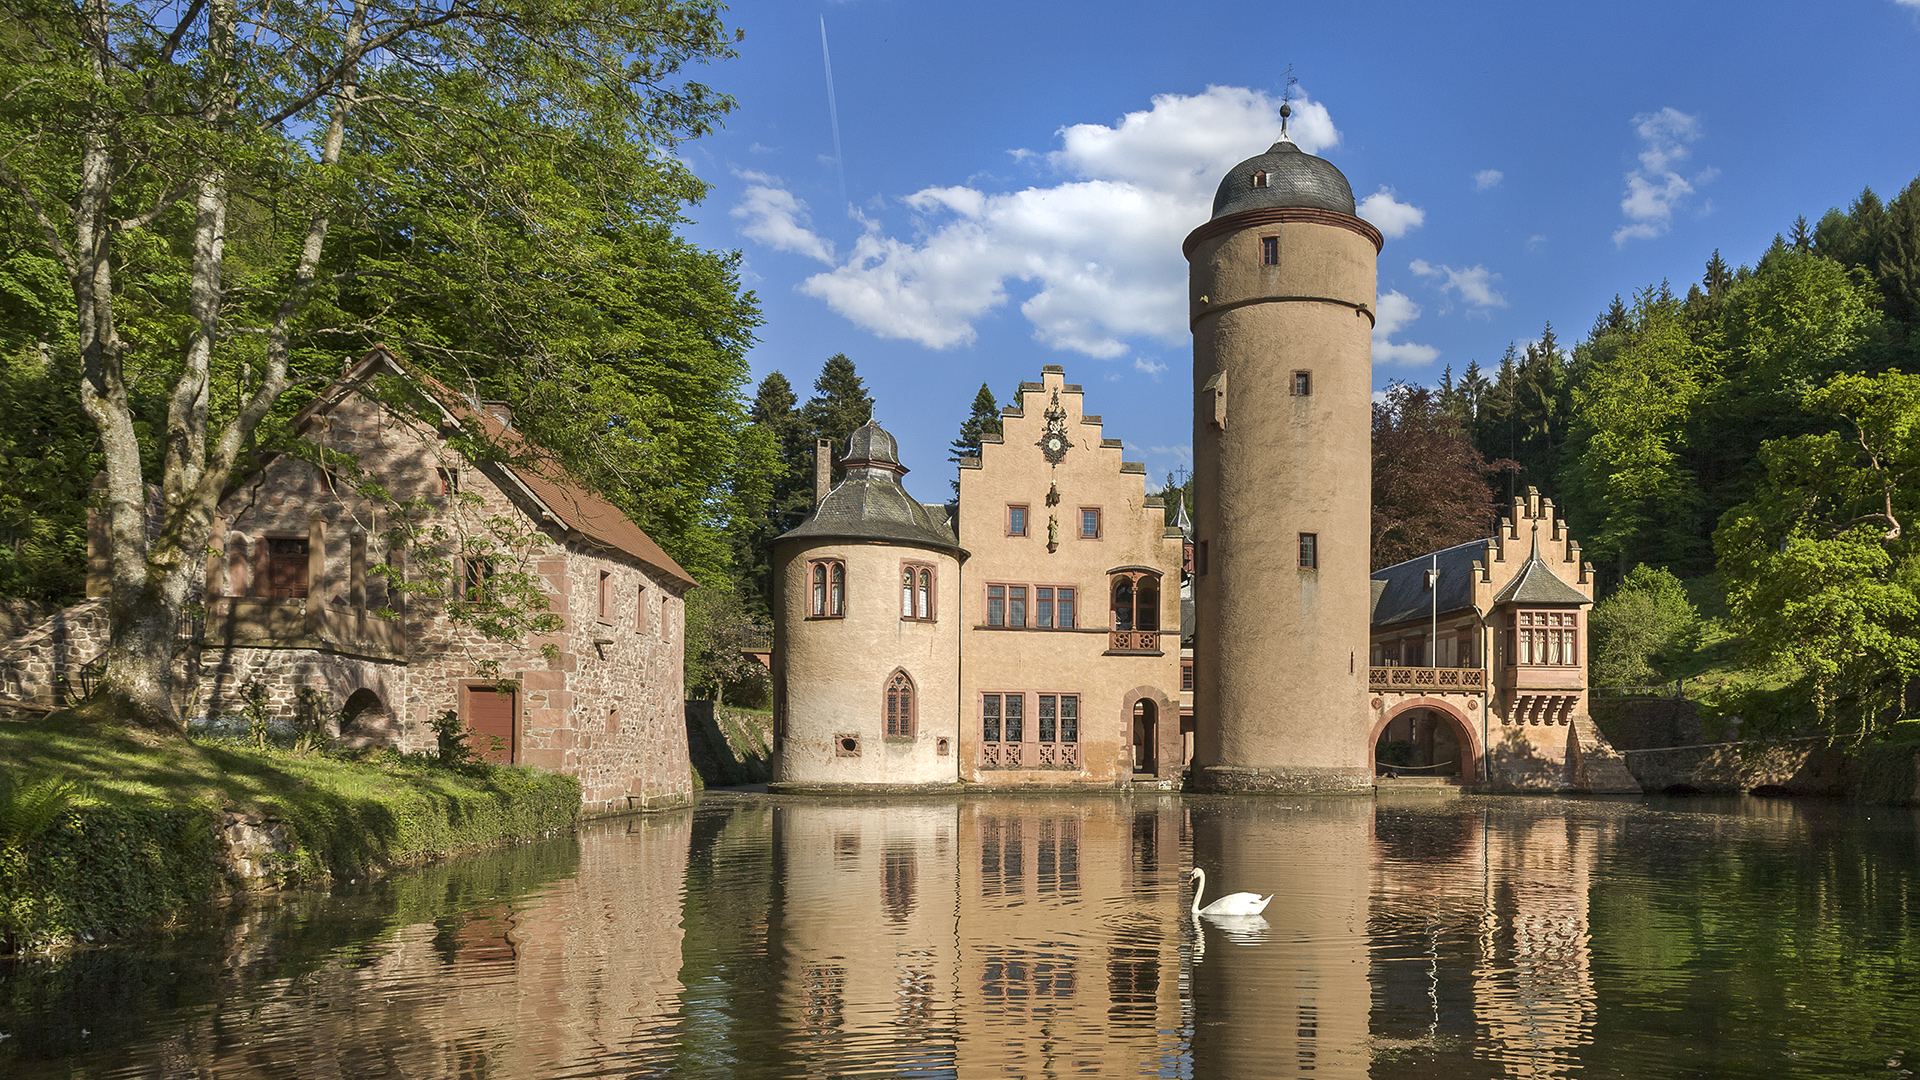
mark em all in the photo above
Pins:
pixel 1391 216
pixel 1536 241
pixel 1181 454
pixel 1487 178
pixel 1473 285
pixel 1656 189
pixel 777 219
pixel 1148 367
pixel 1393 312
pixel 1095 248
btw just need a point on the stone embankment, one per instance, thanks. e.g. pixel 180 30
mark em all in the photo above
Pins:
pixel 1884 774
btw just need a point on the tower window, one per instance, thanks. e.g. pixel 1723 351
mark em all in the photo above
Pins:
pixel 916 592
pixel 900 711
pixel 1260 179
pixel 828 599
pixel 1269 251
pixel 1302 383
pixel 1309 551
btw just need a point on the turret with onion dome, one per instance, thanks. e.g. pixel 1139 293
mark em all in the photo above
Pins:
pixel 866 629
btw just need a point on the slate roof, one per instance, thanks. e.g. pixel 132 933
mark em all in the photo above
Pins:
pixel 1400 591
pixel 1294 178
pixel 540 477
pixel 870 504
pixel 1536 583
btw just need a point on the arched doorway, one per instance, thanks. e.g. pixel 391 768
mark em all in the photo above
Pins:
pixel 1146 724
pixel 1425 738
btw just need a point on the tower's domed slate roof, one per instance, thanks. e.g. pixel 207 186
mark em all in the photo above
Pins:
pixel 869 503
pixel 1293 178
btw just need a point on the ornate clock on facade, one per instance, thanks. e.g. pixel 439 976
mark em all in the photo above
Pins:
pixel 1053 437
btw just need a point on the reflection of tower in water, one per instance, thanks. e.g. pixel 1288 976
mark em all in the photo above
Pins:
pixel 1302 1000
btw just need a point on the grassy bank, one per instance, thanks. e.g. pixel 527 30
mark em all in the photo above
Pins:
pixel 141 840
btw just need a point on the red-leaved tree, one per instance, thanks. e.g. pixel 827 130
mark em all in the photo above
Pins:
pixel 1430 485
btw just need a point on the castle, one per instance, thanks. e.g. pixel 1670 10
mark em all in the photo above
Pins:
pixel 1020 636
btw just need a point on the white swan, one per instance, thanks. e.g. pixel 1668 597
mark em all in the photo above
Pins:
pixel 1240 903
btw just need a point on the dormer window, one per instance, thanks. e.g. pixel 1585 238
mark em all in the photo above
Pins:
pixel 1260 178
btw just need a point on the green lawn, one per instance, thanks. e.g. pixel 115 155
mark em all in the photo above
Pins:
pixel 139 842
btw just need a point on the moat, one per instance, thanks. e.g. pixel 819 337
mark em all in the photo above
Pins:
pixel 768 936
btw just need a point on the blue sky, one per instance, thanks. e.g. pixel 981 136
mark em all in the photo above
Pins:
pixel 1018 177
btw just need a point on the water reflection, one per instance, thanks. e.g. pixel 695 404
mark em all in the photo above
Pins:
pixel 781 936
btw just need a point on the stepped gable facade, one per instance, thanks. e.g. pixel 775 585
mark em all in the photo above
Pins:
pixel 1036 646
pixel 299 615
pixel 1477 665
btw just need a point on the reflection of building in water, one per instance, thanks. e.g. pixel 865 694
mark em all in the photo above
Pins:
pixel 1480 936
pixel 868 931
pixel 1055 976
pixel 1301 1002
pixel 977 937
pixel 1538 920
pixel 587 968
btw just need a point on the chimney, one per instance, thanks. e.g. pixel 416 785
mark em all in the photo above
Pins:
pixel 822 470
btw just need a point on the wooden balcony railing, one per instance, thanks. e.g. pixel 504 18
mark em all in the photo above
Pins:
pixel 1458 680
pixel 1140 641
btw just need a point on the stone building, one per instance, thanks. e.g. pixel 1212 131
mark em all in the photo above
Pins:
pixel 298 612
pixel 1478 662
pixel 1281 291
pixel 1071 648
pixel 1037 646
pixel 867 631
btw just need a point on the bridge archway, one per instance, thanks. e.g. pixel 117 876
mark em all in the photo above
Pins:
pixel 1430 725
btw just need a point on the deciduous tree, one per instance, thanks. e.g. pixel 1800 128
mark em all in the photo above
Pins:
pixel 185 164
pixel 1429 483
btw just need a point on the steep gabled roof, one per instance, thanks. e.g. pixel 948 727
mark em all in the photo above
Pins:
pixel 539 480
pixel 1536 583
pixel 1400 591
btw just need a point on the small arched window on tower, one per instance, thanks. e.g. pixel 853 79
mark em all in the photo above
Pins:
pixel 900 706
pixel 1260 178
pixel 916 592
pixel 827 596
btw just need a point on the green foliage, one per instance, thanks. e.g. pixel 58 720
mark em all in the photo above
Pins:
pixel 1628 484
pixel 49 457
pixel 1819 566
pixel 1640 629
pixel 983 418
pixel 721 631
pixel 29 806
pixel 143 848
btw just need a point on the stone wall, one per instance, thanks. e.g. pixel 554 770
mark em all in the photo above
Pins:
pixel 41 664
pixel 1807 767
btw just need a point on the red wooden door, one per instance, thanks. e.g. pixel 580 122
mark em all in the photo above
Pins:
pixel 490 726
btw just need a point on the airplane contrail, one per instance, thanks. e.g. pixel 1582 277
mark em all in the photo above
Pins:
pixel 833 113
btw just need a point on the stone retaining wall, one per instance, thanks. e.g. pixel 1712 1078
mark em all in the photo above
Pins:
pixel 1878 774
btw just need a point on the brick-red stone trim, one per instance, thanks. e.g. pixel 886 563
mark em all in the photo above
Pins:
pixel 1273 215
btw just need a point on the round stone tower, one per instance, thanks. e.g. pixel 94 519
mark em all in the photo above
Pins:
pixel 1281 288
pixel 867 634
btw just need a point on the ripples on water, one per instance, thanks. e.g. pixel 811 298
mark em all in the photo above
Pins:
pixel 760 936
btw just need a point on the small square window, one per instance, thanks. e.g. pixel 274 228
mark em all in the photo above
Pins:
pixel 1309 551
pixel 1089 523
pixel 1302 383
pixel 1269 251
pixel 1016 521
pixel 449 481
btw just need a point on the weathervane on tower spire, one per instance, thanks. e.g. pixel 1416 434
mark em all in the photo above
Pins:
pixel 1286 103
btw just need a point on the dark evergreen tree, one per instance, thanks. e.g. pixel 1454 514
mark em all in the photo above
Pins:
pixel 984 419
pixel 839 404
pixel 1801 238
